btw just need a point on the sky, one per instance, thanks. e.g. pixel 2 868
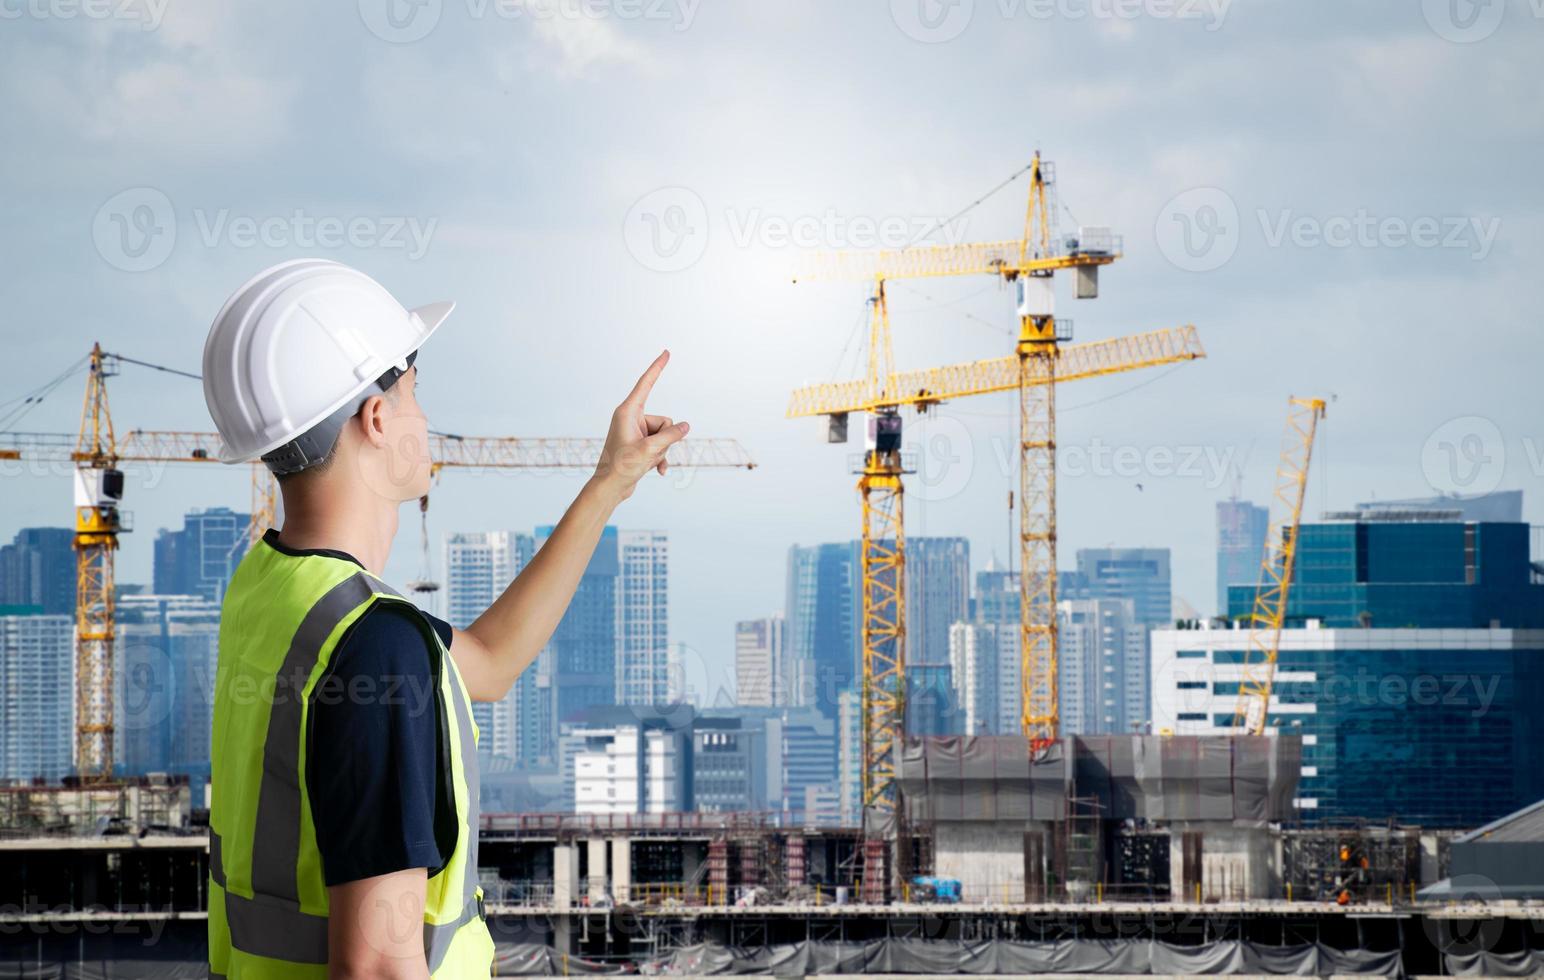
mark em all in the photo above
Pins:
pixel 1342 198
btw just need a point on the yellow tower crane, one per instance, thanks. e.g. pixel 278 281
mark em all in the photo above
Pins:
pixel 97 453
pixel 1040 361
pixel 1277 568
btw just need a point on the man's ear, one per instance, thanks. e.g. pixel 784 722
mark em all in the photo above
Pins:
pixel 372 420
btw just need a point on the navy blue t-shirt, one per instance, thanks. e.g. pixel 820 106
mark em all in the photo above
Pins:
pixel 379 797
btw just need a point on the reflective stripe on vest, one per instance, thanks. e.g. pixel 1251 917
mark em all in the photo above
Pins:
pixel 272 923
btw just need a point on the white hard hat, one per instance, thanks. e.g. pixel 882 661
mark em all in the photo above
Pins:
pixel 301 345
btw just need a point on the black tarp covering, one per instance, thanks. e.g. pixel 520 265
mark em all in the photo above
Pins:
pixel 1092 956
pixel 1483 963
pixel 989 778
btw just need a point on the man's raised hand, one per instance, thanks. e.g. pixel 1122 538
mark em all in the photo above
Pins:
pixel 637 441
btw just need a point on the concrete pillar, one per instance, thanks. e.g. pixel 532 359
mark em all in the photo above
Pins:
pixel 621 867
pixel 597 862
pixel 691 862
pixel 565 875
pixel 563 933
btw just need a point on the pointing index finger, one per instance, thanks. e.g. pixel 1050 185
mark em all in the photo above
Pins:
pixel 646 383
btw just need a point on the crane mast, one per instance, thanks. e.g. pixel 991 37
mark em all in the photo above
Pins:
pixel 98 488
pixel 1277 568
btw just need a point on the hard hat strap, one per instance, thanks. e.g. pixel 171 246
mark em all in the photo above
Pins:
pixel 315 444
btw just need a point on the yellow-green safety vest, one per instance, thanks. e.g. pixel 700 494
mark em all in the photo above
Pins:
pixel 283 617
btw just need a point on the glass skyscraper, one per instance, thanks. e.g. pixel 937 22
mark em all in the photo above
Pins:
pixel 200 558
pixel 1138 574
pixel 646 675
pixel 37 694
pixel 937 596
pixel 164 678
pixel 577 670
pixel 38 569
pixel 1102 675
pixel 1413 668
pixel 822 629
pixel 478 567
pixel 1241 528
pixel 1384 571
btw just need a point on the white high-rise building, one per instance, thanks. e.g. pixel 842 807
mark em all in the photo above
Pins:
pixel 849 727
pixel 1102 670
pixel 760 671
pixel 478 567
pixel 631 768
pixel 37 696
pixel 646 673
pixel 974 672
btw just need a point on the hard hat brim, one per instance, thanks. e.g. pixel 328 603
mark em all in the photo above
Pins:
pixel 431 316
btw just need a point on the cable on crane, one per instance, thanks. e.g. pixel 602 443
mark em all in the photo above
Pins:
pixel 857 326
pixel 26 403
pixel 978 201
pixel 156 367
pixel 938 305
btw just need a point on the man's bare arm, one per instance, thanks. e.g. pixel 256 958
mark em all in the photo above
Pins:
pixel 375 928
pixel 502 642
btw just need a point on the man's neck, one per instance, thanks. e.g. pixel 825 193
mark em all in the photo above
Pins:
pixel 359 523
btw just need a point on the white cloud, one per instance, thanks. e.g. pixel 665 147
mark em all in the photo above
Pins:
pixel 582 42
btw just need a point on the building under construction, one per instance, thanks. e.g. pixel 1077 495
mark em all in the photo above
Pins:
pixel 1117 854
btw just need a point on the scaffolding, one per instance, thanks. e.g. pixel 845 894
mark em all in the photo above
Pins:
pixel 1352 865
pixel 125 806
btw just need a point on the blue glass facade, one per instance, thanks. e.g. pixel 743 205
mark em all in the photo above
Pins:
pixel 1440 727
pixel 583 648
pixel 823 608
pixel 932 706
pixel 200 558
pixel 1410 575
pixel 1241 528
pixel 1138 574
pixel 1436 737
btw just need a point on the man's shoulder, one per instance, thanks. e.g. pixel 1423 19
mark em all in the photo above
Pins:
pixel 390 636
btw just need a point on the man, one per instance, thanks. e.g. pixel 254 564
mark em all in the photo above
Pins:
pixel 343 817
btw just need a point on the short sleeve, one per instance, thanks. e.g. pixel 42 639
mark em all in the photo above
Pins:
pixel 374 772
